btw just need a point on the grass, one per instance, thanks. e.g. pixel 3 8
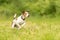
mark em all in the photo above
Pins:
pixel 35 29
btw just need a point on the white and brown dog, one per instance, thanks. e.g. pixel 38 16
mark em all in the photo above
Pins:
pixel 20 21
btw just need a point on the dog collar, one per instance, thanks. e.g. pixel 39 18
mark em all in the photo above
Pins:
pixel 22 18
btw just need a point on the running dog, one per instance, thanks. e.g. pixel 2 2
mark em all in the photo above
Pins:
pixel 20 21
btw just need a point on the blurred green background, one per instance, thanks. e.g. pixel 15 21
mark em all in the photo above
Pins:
pixel 48 8
pixel 43 23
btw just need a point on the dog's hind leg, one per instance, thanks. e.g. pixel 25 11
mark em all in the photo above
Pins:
pixel 13 24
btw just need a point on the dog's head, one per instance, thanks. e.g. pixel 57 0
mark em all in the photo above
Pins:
pixel 26 13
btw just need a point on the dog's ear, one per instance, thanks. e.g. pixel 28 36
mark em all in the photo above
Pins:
pixel 23 12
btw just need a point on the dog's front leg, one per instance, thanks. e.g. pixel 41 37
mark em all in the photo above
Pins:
pixel 23 24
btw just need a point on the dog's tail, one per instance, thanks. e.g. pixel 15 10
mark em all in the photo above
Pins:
pixel 15 16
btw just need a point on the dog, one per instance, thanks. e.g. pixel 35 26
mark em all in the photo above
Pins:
pixel 20 21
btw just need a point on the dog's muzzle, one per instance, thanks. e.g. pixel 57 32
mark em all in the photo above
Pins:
pixel 28 15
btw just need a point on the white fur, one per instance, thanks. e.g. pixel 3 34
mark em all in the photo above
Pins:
pixel 18 21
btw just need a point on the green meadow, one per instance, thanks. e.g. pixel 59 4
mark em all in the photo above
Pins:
pixel 35 29
pixel 43 23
